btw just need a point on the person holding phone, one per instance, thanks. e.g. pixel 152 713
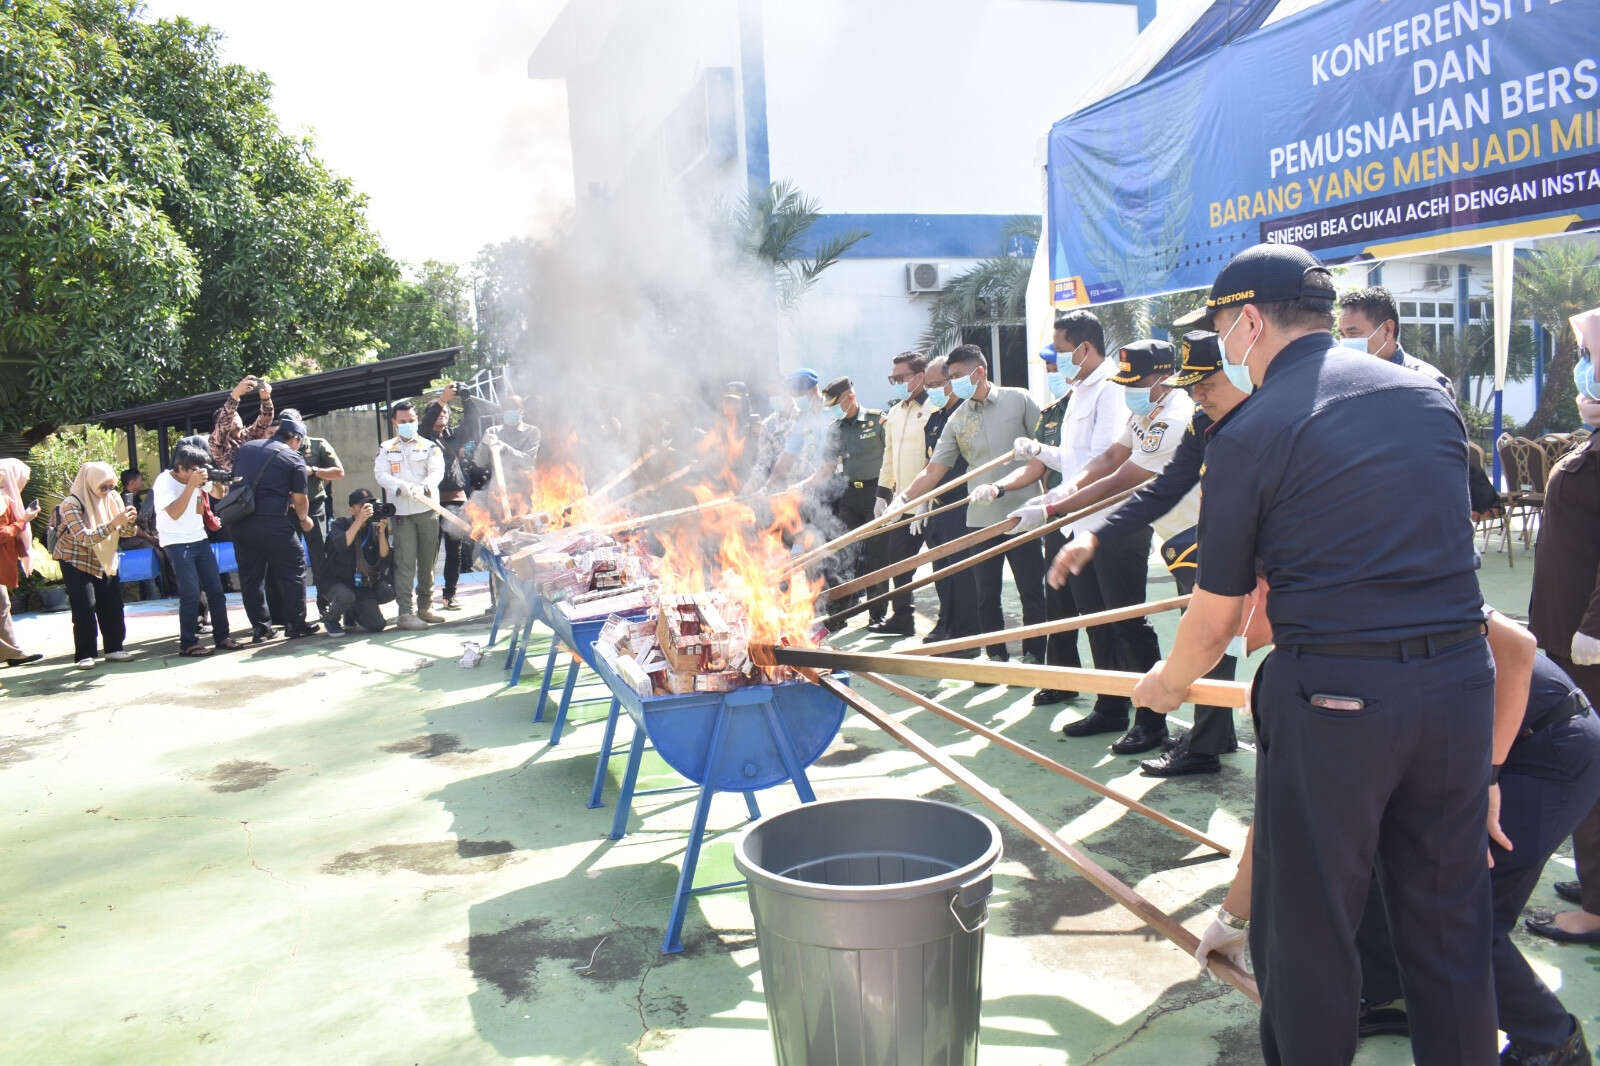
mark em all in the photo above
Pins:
pixel 88 523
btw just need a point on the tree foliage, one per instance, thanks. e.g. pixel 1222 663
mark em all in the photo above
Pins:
pixel 159 234
pixel 430 308
pixel 771 225
pixel 506 276
pixel 993 291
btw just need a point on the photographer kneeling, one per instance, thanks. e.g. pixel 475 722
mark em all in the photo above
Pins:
pixel 357 565
pixel 181 530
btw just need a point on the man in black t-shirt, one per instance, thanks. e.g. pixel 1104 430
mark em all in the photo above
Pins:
pixel 267 544
pixel 357 559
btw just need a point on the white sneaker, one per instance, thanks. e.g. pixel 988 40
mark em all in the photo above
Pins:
pixel 411 621
pixel 84 664
pixel 119 656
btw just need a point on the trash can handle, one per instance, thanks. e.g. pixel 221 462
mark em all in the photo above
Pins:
pixel 964 893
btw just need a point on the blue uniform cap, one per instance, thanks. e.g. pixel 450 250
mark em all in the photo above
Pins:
pixel 803 379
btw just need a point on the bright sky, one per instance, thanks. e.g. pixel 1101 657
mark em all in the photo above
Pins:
pixel 427 107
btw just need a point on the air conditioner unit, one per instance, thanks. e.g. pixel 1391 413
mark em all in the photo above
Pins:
pixel 927 277
pixel 1438 276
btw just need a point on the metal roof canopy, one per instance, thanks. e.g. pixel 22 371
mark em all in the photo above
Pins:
pixel 380 383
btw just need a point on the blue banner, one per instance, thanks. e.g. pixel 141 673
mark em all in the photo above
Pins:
pixel 1356 129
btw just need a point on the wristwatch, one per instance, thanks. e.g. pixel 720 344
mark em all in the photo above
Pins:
pixel 1231 920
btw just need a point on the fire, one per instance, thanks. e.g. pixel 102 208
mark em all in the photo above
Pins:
pixel 729 551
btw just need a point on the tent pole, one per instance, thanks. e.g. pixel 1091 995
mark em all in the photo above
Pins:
pixel 1494 445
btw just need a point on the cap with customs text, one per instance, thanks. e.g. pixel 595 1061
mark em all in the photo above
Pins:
pixel 1199 356
pixel 361 496
pixel 1266 273
pixel 835 389
pixel 1140 358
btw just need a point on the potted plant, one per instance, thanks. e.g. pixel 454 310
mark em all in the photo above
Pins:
pixel 44 585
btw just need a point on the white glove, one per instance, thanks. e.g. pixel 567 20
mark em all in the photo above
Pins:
pixel 411 490
pixel 1224 942
pixel 879 507
pixel 915 528
pixel 1585 649
pixel 1026 448
pixel 1030 515
pixel 986 493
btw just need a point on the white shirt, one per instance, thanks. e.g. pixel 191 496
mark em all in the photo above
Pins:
pixel 1095 416
pixel 415 462
pixel 172 531
pixel 1153 439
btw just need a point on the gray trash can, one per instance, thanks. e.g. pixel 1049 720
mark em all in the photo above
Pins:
pixel 869 920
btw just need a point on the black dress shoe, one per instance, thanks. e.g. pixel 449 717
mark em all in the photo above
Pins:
pixel 969 653
pixel 936 634
pixel 262 634
pixel 304 629
pixel 1141 738
pixel 1383 1019
pixel 1547 928
pixel 24 660
pixel 1571 891
pixel 1573 1051
pixel 1097 722
pixel 1048 697
pixel 1179 761
pixel 898 626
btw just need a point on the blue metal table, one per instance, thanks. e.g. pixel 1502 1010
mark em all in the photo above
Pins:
pixel 578 637
pixel 741 741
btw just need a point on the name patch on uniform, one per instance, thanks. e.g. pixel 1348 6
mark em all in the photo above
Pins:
pixel 1152 438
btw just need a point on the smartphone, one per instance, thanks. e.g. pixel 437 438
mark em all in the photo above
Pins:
pixel 1345 704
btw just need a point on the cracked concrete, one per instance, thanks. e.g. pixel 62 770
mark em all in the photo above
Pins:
pixel 392 865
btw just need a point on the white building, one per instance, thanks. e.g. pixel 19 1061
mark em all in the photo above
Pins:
pixel 917 121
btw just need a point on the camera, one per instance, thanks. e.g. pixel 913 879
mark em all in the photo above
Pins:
pixel 381 510
pixel 219 475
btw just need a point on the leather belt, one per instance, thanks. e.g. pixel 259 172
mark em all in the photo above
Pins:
pixel 1410 648
pixel 1575 705
pixel 863 484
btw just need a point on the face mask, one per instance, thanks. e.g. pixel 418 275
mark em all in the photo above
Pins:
pixel 511 418
pixel 937 397
pixel 1237 374
pixel 1583 377
pixel 837 412
pixel 1236 646
pixel 965 388
pixel 899 391
pixel 1056 382
pixel 1359 344
pixel 407 430
pixel 1073 356
pixel 1139 401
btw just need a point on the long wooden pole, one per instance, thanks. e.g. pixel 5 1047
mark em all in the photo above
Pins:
pixel 969 561
pixel 1026 675
pixel 617 479
pixel 870 528
pixel 923 517
pixel 647 489
pixel 662 516
pixel 1048 763
pixel 929 555
pixel 500 482
pixel 1062 625
pixel 466 527
pixel 1093 872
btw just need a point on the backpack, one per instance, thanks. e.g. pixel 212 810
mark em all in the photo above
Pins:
pixel 52 531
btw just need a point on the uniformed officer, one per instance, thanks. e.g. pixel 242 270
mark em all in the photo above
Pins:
pixel 852 456
pixel 1172 500
pixel 1374 711
pixel 958 593
pixel 409 468
pixel 904 454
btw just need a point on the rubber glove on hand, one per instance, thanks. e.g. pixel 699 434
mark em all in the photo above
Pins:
pixel 1585 649
pixel 915 528
pixel 1223 941
pixel 879 507
pixel 1031 515
pixel 1026 448
pixel 986 493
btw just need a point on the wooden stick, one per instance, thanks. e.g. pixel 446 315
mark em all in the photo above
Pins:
pixel 618 479
pixel 923 517
pixel 1049 764
pixel 866 529
pixel 500 481
pixel 929 555
pixel 971 560
pixel 646 490
pixel 1093 872
pixel 662 516
pixel 466 527
pixel 1063 625
pixel 1073 678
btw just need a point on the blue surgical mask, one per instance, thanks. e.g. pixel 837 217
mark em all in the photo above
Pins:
pixel 964 388
pixel 937 398
pixel 837 412
pixel 1236 646
pixel 1359 344
pixel 1583 377
pixel 511 418
pixel 407 430
pixel 1056 382
pixel 898 391
pixel 1238 374
pixel 1139 401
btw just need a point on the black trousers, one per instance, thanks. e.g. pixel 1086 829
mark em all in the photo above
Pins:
pixel 1586 836
pixel 1403 784
pixel 1061 649
pixel 268 549
pixel 347 605
pixel 1213 732
pixel 852 508
pixel 1027 570
pixel 898 546
pixel 94 600
pixel 1549 784
pixel 457 552
pixel 1115 577
pixel 958 593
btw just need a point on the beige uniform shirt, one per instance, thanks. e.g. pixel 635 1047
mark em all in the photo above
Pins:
pixel 905 445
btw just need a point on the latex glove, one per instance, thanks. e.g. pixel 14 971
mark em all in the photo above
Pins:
pixel 880 506
pixel 1026 448
pixel 412 490
pixel 915 528
pixel 1030 515
pixel 1585 649
pixel 1224 942
pixel 986 493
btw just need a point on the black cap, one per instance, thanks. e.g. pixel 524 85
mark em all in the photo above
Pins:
pixel 361 496
pixel 835 389
pixel 1199 355
pixel 1136 360
pixel 1266 273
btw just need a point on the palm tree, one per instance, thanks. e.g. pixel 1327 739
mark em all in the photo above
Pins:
pixel 1559 280
pixel 770 226
pixel 994 291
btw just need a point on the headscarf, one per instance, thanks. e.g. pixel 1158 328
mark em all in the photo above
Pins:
pixel 14 475
pixel 98 509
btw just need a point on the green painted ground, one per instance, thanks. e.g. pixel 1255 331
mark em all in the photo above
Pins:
pixel 319 852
